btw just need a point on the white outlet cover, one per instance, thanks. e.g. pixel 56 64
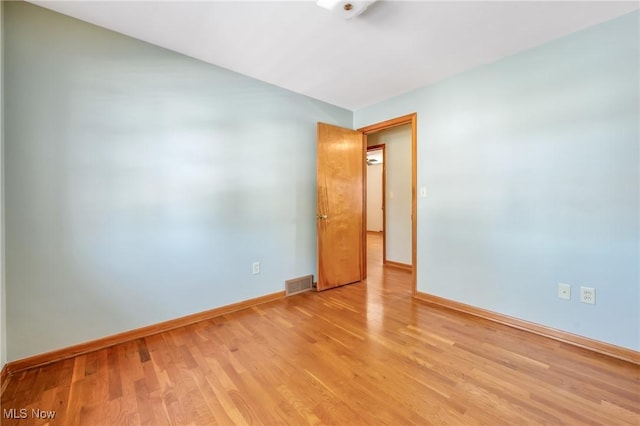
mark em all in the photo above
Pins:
pixel 588 295
pixel 564 291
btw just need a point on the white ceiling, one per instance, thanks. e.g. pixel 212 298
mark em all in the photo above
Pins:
pixel 392 48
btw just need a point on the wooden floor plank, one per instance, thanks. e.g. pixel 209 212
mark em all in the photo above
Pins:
pixel 365 353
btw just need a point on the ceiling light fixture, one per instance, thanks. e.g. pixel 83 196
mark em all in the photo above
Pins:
pixel 347 9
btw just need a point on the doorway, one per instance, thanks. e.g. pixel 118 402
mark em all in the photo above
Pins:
pixel 395 208
pixel 375 188
pixel 375 196
pixel 341 201
pixel 398 140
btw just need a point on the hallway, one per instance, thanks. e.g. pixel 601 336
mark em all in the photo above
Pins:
pixel 384 279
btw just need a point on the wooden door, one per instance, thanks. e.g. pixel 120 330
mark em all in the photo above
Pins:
pixel 340 186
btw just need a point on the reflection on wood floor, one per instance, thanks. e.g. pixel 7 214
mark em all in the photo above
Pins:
pixel 366 353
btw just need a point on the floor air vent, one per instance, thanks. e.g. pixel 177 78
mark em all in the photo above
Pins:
pixel 298 285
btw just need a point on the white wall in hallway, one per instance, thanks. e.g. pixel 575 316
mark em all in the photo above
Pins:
pixel 374 197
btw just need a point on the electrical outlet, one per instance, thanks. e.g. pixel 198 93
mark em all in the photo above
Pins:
pixel 564 291
pixel 588 295
pixel 256 268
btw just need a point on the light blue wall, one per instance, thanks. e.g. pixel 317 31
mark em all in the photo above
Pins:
pixel 141 184
pixel 532 170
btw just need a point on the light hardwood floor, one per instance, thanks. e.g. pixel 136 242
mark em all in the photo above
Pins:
pixel 361 354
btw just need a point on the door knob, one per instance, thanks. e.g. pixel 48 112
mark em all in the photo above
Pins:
pixel 321 216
